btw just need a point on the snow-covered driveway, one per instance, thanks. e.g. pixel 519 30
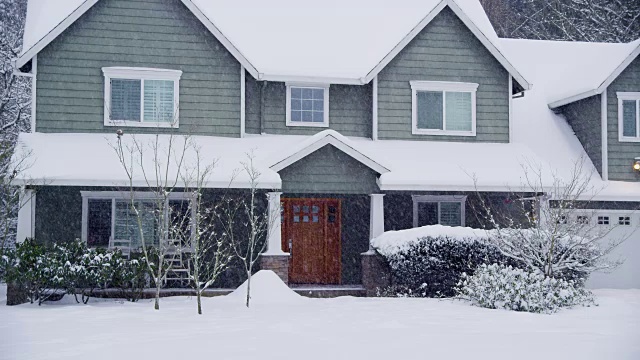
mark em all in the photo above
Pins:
pixel 343 328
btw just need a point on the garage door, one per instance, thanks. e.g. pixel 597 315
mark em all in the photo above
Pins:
pixel 620 224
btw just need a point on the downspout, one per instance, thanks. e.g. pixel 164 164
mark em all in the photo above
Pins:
pixel 262 106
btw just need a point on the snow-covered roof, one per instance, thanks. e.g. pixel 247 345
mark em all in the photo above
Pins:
pixel 337 41
pixel 547 134
pixel 569 71
pixel 495 167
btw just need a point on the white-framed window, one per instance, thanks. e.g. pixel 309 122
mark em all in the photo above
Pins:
pixel 308 105
pixel 448 210
pixel 443 108
pixel 628 116
pixel 141 97
pixel 107 217
pixel 603 220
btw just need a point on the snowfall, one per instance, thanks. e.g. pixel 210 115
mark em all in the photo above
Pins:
pixel 281 324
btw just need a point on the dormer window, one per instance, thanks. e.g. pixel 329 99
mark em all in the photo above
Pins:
pixel 141 97
pixel 443 108
pixel 308 105
pixel 629 116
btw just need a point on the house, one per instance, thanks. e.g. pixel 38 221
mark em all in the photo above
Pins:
pixel 363 116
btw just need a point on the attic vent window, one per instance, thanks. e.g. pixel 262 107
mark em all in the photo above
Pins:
pixel 141 97
pixel 629 116
pixel 308 105
pixel 443 108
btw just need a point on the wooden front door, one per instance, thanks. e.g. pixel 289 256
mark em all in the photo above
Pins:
pixel 311 233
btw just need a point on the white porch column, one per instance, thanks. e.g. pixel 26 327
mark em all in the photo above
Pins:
pixel 376 223
pixel 274 241
pixel 26 215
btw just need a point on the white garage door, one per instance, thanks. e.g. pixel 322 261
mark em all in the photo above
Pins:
pixel 623 224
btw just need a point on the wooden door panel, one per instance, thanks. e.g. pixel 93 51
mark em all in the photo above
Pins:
pixel 313 228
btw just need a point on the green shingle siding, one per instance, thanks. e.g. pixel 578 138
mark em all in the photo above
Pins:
pixel 622 154
pixel 445 50
pixel 584 118
pixel 350 108
pixel 135 33
pixel 328 171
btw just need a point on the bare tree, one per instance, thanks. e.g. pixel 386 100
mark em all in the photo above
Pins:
pixel 569 20
pixel 15 104
pixel 259 224
pixel 162 182
pixel 211 248
pixel 561 238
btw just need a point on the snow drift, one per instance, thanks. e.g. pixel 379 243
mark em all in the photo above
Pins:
pixel 266 288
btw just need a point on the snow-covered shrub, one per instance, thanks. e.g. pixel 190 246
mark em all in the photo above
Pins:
pixel 504 287
pixel 430 260
pixel 130 276
pixel 34 268
pixel 74 269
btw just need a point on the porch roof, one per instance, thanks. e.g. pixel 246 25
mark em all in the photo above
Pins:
pixel 90 160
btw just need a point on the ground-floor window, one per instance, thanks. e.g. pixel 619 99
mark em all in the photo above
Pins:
pixel 446 210
pixel 109 218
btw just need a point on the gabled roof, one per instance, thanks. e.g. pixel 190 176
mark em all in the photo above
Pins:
pixel 336 41
pixel 570 71
pixel 318 141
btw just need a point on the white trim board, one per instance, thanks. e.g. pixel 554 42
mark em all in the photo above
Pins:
pixel 329 139
pixel 603 86
pixel 470 25
pixel 604 134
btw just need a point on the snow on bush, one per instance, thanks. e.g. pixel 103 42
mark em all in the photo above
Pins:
pixel 504 287
pixel 72 268
pixel 429 261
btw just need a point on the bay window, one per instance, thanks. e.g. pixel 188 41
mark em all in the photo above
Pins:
pixel 443 108
pixel 448 210
pixel 141 97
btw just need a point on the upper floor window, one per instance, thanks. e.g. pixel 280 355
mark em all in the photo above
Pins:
pixel 435 209
pixel 141 97
pixel 308 105
pixel 443 108
pixel 629 116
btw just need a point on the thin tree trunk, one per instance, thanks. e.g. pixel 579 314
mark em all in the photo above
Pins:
pixel 199 303
pixel 248 286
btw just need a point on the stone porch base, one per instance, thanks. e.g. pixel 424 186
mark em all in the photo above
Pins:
pixel 279 264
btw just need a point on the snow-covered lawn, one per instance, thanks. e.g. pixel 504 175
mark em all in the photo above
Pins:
pixel 284 326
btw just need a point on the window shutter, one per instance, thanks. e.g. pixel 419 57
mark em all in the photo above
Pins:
pixel 629 118
pixel 125 100
pixel 158 101
pixel 458 110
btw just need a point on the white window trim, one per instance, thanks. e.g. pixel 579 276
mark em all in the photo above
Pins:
pixel 141 74
pixel 462 199
pixel 626 96
pixel 442 86
pixel 324 87
pixel 122 195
